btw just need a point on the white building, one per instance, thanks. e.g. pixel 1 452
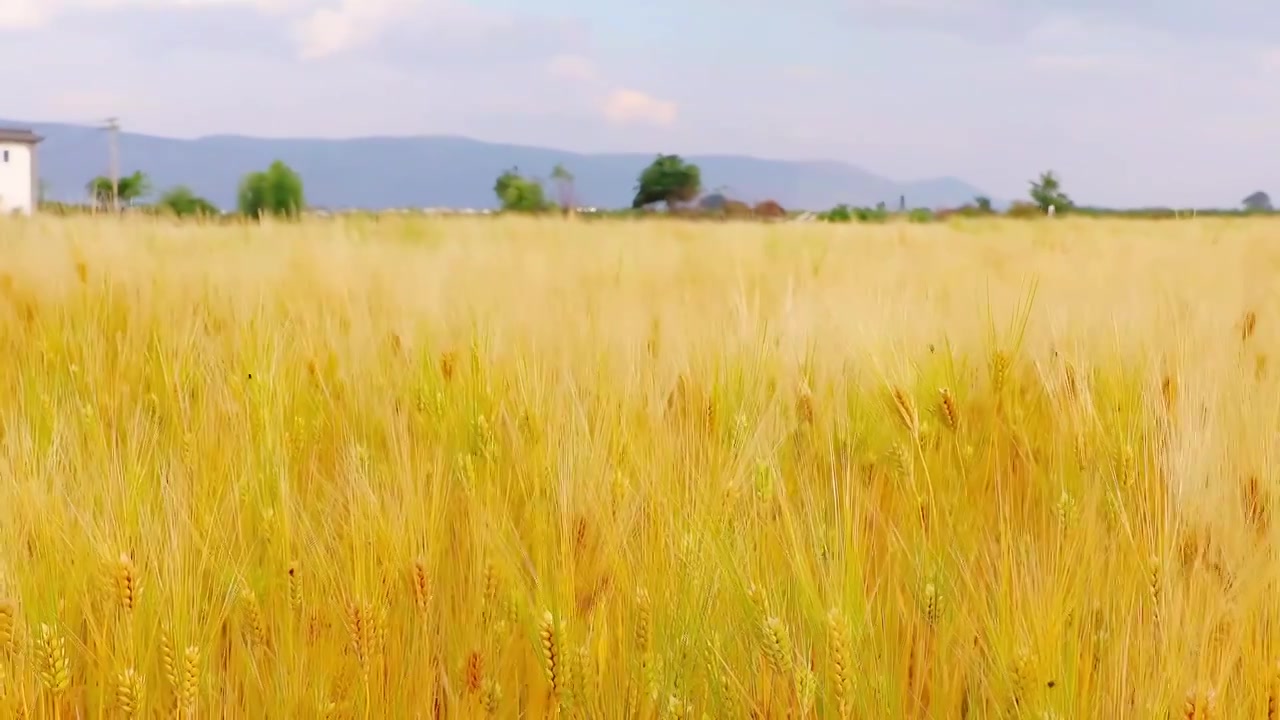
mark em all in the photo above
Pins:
pixel 19 181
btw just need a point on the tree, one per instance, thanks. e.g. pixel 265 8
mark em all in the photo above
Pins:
pixel 983 202
pixel 276 191
pixel 839 213
pixel 518 193
pixel 182 202
pixel 129 188
pixel 668 179
pixel 1257 202
pixel 564 186
pixel 1047 192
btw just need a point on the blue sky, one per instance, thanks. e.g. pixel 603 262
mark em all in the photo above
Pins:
pixel 1132 101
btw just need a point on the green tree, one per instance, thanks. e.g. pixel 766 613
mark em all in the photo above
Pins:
pixel 1047 191
pixel 181 201
pixel 564 186
pixel 518 193
pixel 983 202
pixel 276 191
pixel 840 213
pixel 668 179
pixel 130 188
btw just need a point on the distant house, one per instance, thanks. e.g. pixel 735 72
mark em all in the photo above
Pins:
pixel 769 209
pixel 19 181
pixel 714 201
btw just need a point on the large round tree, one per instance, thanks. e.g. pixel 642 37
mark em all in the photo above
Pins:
pixel 276 191
pixel 668 179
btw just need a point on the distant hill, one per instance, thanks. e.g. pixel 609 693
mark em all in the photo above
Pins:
pixel 439 171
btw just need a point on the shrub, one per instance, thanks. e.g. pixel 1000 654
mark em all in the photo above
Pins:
pixel 517 193
pixel 181 201
pixel 276 191
pixel 839 213
pixel 1024 210
pixel 876 214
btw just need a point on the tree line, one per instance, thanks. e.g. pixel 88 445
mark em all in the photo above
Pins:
pixel 668 180
pixel 276 191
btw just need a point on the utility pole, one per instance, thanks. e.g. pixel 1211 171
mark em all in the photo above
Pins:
pixel 113 146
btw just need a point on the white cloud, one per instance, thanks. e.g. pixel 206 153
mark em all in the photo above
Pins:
pixel 801 73
pixel 88 103
pixel 353 23
pixel 23 14
pixel 320 27
pixel 28 14
pixel 572 67
pixel 33 14
pixel 1269 59
pixel 1078 62
pixel 626 106
pixel 954 7
pixel 443 24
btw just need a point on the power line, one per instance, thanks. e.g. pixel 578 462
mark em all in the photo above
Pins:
pixel 113 148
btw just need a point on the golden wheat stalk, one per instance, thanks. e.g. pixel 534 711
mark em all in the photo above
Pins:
pixel 552 655
pixel 53 666
pixel 1273 694
pixel 8 620
pixel 777 646
pixel 255 621
pixel 125 576
pixel 360 631
pixel 189 691
pixel 295 587
pixel 906 408
pixel 130 690
pixel 421 586
pixel 475 672
pixel 1248 324
pixel 841 661
pixel 949 409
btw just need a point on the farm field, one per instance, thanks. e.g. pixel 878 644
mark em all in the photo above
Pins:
pixel 506 468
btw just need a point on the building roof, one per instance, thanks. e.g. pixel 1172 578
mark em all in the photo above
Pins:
pixel 19 136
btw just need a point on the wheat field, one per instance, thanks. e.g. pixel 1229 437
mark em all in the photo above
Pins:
pixel 517 468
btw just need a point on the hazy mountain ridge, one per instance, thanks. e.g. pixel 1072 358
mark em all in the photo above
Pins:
pixel 448 171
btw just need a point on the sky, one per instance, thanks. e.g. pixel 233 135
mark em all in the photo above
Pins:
pixel 1131 102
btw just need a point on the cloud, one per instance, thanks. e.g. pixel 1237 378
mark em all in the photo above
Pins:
pixel 23 14
pixel 86 103
pixel 319 28
pixel 1078 62
pixel 355 23
pixel 986 21
pixel 572 67
pixel 31 14
pixel 625 106
pixel 949 7
pixel 801 73
pixel 1268 59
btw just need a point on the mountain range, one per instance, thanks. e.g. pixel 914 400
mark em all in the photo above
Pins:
pixel 378 173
